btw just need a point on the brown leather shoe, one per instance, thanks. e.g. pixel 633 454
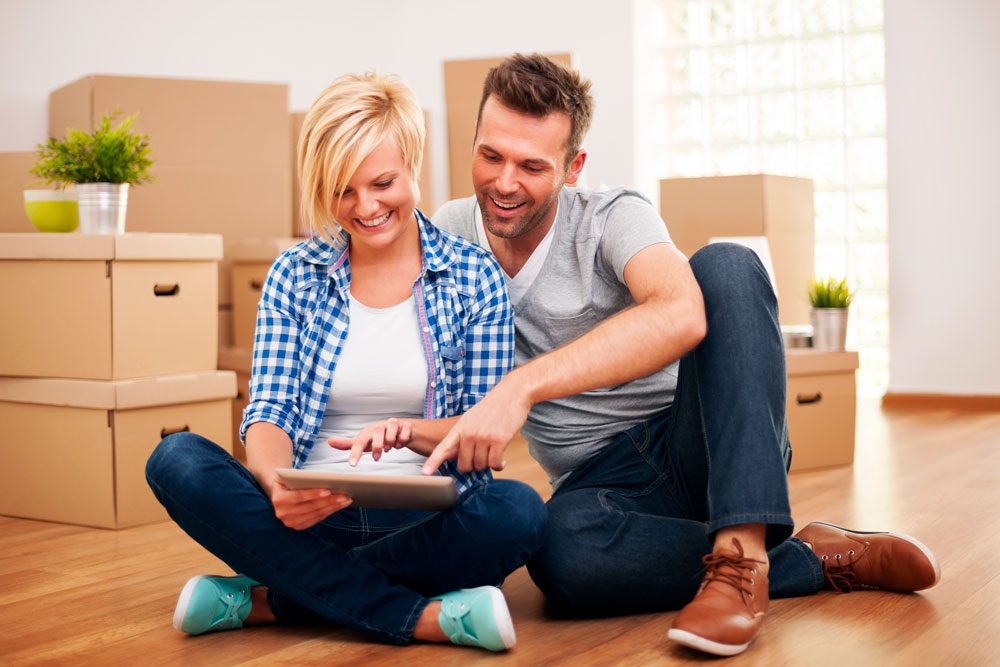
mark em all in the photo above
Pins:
pixel 728 610
pixel 853 559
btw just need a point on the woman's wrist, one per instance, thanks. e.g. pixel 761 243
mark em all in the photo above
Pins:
pixel 421 438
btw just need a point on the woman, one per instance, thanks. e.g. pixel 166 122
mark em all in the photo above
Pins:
pixel 377 332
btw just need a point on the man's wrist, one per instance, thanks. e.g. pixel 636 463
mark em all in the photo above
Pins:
pixel 523 384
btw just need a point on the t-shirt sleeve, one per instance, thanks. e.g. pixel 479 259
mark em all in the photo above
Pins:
pixel 458 217
pixel 631 224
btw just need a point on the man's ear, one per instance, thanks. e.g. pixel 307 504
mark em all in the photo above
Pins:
pixel 575 167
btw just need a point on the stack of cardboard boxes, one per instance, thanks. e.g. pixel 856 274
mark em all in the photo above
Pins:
pixel 114 341
pixel 109 346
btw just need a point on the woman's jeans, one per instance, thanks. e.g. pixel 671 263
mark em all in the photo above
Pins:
pixel 628 529
pixel 372 570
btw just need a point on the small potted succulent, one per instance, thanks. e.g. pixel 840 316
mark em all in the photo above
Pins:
pixel 830 299
pixel 102 165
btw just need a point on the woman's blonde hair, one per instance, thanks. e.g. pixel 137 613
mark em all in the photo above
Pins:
pixel 346 123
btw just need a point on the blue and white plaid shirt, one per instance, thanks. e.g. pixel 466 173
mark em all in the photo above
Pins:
pixel 467 329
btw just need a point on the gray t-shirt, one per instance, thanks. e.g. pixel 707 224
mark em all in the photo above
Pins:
pixel 579 285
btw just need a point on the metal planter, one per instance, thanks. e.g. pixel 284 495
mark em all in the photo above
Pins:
pixel 829 329
pixel 102 207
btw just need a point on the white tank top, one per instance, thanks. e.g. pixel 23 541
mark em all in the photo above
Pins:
pixel 381 372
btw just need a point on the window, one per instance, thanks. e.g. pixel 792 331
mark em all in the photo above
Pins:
pixel 788 87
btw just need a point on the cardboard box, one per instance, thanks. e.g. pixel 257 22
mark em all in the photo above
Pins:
pixel 225 325
pixel 108 307
pixel 426 203
pixel 777 207
pixel 463 88
pixel 75 451
pixel 250 260
pixel 821 407
pixel 220 149
pixel 240 361
pixel 14 180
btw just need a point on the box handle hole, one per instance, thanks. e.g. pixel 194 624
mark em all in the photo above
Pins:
pixel 164 432
pixel 165 289
pixel 808 399
pixel 256 284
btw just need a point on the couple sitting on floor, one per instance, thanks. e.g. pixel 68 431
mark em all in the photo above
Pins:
pixel 650 388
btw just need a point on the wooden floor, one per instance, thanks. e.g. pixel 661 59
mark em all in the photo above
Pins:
pixel 71 595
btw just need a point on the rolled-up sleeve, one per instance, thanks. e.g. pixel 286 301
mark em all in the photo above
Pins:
pixel 274 384
pixel 489 334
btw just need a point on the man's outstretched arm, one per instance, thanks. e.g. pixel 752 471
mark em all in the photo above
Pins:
pixel 667 321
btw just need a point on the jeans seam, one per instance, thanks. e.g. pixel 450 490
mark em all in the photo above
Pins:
pixel 411 619
pixel 290 577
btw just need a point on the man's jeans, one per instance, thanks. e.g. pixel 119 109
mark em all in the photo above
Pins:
pixel 627 530
pixel 371 570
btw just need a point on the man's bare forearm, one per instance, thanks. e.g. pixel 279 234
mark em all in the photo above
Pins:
pixel 634 343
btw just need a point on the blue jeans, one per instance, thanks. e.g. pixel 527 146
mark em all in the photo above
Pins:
pixel 371 570
pixel 627 530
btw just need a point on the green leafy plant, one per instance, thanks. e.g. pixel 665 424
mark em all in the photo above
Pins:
pixel 108 155
pixel 830 293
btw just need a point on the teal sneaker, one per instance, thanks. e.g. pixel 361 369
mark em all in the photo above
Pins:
pixel 477 617
pixel 210 603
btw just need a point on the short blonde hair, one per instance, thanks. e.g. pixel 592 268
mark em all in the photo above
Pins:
pixel 347 122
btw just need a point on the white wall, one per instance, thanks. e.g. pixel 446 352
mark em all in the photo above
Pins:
pixel 943 131
pixel 45 44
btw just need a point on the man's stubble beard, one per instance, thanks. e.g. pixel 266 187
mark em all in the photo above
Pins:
pixel 527 224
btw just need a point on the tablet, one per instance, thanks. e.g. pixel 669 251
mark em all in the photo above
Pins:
pixel 378 491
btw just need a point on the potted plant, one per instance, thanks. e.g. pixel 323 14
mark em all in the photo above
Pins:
pixel 102 164
pixel 830 300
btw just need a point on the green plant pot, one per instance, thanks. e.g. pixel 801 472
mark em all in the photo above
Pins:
pixel 52 210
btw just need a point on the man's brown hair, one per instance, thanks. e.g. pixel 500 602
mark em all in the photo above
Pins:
pixel 538 86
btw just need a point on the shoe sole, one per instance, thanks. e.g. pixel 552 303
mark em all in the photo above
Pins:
pixel 928 554
pixel 184 600
pixel 501 614
pixel 692 640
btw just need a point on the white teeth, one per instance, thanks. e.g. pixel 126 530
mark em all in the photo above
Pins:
pixel 376 222
pixel 503 205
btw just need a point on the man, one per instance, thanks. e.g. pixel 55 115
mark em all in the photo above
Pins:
pixel 651 389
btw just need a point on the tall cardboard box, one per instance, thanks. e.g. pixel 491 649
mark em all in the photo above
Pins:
pixel 250 260
pixel 463 88
pixel 75 451
pixel 220 149
pixel 821 407
pixel 779 208
pixel 14 180
pixel 426 203
pixel 108 307
pixel 240 361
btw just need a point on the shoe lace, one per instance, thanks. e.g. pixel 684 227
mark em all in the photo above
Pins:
pixel 731 568
pixel 839 572
pixel 233 602
pixel 456 612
